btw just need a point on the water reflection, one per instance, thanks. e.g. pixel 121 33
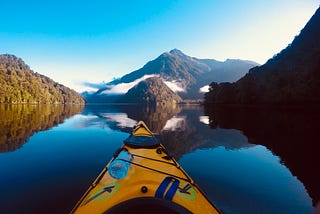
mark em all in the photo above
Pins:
pixel 174 123
pixel 155 116
pixel 124 117
pixel 109 116
pixel 19 122
pixel 247 180
pixel 178 128
pixel 186 132
pixel 226 160
pixel 290 133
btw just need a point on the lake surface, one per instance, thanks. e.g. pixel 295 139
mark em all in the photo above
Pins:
pixel 247 160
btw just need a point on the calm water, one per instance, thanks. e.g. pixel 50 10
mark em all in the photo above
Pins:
pixel 247 160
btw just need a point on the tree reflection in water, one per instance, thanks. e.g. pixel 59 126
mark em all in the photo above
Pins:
pixel 19 122
pixel 224 139
pixel 289 132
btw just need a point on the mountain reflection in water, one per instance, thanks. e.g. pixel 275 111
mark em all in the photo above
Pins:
pixel 178 128
pixel 290 133
pixel 225 150
pixel 184 130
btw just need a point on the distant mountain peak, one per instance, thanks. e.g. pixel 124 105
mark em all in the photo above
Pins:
pixel 188 73
pixel 177 52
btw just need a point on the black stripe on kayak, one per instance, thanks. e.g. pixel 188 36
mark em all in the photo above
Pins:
pixel 155 170
pixel 140 156
pixel 185 189
pixel 105 189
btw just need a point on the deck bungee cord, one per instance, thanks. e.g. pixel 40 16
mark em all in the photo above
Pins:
pixel 142 177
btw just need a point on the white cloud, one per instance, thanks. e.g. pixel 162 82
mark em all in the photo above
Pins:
pixel 82 86
pixel 93 85
pixel 204 89
pixel 123 88
pixel 174 86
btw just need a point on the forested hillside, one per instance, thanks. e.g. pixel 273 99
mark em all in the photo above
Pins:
pixel 19 84
pixel 152 91
pixel 290 77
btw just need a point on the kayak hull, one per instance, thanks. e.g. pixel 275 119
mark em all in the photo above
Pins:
pixel 153 181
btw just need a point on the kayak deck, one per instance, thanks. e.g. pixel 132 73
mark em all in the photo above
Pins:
pixel 153 180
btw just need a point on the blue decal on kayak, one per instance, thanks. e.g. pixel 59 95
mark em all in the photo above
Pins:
pixel 163 186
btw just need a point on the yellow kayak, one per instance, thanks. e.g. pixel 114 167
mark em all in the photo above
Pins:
pixel 143 178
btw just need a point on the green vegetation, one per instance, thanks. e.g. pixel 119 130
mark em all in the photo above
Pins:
pixel 19 84
pixel 152 91
pixel 290 77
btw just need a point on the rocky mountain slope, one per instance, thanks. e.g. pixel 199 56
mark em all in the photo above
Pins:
pixel 19 84
pixel 152 91
pixel 291 77
pixel 185 74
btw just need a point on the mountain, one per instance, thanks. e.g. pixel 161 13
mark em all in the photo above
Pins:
pixel 19 84
pixel 184 74
pixel 291 77
pixel 152 91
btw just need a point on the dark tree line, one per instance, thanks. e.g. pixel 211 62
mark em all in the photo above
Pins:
pixel 290 77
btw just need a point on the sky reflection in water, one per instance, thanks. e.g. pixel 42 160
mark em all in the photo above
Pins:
pixel 54 167
pixel 250 179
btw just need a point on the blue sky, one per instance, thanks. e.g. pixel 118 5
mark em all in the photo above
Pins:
pixel 93 41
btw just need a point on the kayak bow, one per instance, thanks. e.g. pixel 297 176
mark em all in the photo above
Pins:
pixel 143 178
